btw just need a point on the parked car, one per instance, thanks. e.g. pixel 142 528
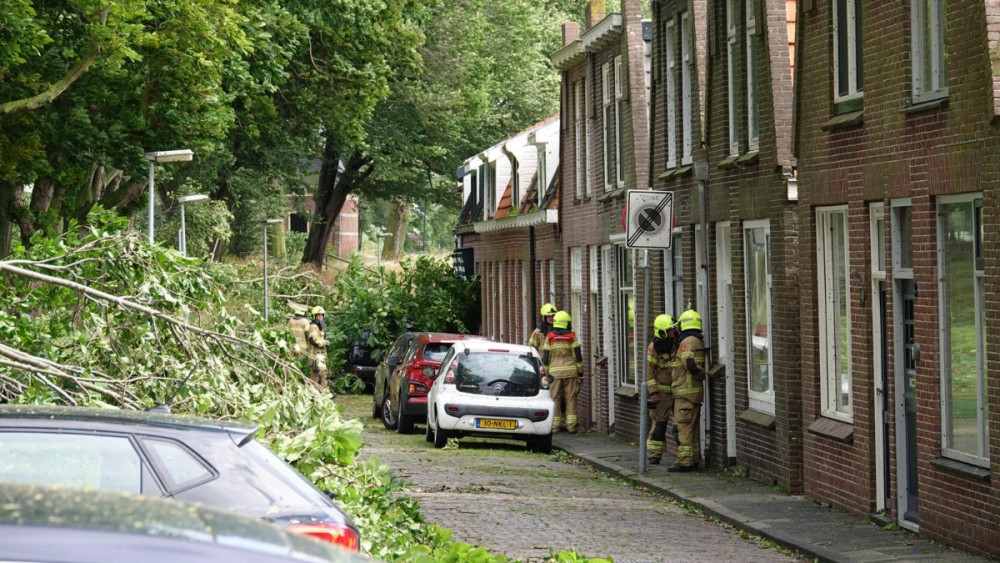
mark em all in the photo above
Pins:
pixel 360 361
pixel 383 372
pixel 404 393
pixel 492 390
pixel 163 455
pixel 70 525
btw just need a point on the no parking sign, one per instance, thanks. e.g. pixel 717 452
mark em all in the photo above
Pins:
pixel 649 219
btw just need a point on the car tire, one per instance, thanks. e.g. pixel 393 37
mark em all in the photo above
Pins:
pixel 404 422
pixel 388 416
pixel 429 431
pixel 440 437
pixel 541 444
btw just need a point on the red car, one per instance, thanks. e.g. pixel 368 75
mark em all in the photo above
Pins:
pixel 402 400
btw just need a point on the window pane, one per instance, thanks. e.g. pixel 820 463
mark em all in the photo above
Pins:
pixel 182 467
pixel 841 309
pixel 963 359
pixel 858 51
pixel 842 53
pixel 108 463
pixel 758 313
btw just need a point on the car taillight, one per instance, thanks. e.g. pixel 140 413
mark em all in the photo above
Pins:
pixel 331 532
pixel 416 389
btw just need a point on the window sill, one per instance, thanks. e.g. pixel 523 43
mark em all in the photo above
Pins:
pixel 676 172
pixel 925 106
pixel 627 392
pixel 758 418
pixel 613 194
pixel 962 469
pixel 749 158
pixel 845 121
pixel 729 162
pixel 833 429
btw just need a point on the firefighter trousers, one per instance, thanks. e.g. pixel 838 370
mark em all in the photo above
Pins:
pixel 687 418
pixel 565 388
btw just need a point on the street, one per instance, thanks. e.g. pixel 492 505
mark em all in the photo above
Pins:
pixel 496 495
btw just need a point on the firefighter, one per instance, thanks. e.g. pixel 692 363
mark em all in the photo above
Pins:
pixel 298 324
pixel 688 376
pixel 537 338
pixel 563 362
pixel 316 337
pixel 661 357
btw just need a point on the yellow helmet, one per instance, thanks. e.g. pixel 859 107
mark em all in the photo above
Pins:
pixel 561 320
pixel 690 319
pixel 548 310
pixel 318 310
pixel 662 324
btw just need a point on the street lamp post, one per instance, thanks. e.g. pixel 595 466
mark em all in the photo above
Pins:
pixel 181 155
pixel 182 235
pixel 266 223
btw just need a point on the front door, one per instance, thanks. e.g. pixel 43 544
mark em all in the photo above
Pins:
pixel 724 334
pixel 906 357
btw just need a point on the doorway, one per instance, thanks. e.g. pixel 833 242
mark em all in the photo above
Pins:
pixel 907 355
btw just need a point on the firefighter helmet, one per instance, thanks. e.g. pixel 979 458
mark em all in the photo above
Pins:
pixel 548 310
pixel 662 324
pixel 318 310
pixel 561 320
pixel 690 319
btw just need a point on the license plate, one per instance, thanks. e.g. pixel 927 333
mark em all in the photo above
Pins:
pixel 496 423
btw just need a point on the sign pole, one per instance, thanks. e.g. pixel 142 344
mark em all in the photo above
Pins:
pixel 644 394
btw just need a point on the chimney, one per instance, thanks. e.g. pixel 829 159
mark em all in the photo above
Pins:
pixel 570 32
pixel 596 10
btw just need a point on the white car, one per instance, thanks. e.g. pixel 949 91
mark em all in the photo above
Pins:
pixel 492 390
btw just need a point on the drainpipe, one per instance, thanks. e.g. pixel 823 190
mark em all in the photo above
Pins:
pixel 531 260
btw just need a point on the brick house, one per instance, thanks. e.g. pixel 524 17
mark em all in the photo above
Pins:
pixel 895 133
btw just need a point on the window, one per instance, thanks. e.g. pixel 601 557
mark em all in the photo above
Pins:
pixel 515 183
pixel 181 469
pixel 588 185
pixel 578 137
pixel 673 275
pixel 626 317
pixel 670 49
pixel 753 110
pixel 609 122
pixel 552 282
pixel 619 122
pixel 687 63
pixel 519 376
pixel 848 77
pixel 965 415
pixel 595 341
pixel 734 133
pixel 930 72
pixel 576 287
pixel 833 264
pixel 543 173
pixel 107 463
pixel 501 306
pixel 756 237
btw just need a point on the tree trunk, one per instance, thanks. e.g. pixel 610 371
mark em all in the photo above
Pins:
pixel 397 227
pixel 6 226
pixel 276 242
pixel 332 189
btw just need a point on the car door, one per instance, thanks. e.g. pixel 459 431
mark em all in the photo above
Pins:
pixel 399 372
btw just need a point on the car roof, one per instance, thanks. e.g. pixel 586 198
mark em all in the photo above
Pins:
pixel 32 515
pixel 86 415
pixel 448 337
pixel 489 345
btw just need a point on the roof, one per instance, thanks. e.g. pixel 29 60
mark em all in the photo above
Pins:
pixel 122 417
pixel 447 337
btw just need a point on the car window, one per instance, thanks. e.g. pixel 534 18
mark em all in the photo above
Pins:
pixel 109 463
pixel 401 346
pixel 435 351
pixel 179 467
pixel 282 480
pixel 497 373
pixel 411 351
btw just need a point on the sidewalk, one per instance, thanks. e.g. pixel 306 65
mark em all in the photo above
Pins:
pixel 795 522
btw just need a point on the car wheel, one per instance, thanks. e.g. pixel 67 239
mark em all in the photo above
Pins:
pixel 388 415
pixel 440 436
pixel 541 444
pixel 429 431
pixel 404 422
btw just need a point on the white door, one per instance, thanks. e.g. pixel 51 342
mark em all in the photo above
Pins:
pixel 724 330
pixel 608 325
pixel 880 371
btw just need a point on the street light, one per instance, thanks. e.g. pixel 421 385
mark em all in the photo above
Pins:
pixel 182 155
pixel 267 222
pixel 182 236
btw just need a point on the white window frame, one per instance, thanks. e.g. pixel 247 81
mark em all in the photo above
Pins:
pixel 762 401
pixel 542 174
pixel 670 86
pixel 578 118
pixel 595 339
pixel 687 64
pixel 927 41
pixel 576 287
pixel 835 343
pixel 552 282
pixel 854 90
pixel 731 74
pixel 607 114
pixel 525 312
pixel 626 292
pixel 673 275
pixel 619 123
pixel 588 183
pixel 753 102
pixel 501 306
pixel 945 324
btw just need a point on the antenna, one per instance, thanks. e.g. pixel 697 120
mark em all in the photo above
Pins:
pixel 165 406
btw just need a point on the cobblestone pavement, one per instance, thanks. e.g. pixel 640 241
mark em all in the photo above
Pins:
pixel 496 495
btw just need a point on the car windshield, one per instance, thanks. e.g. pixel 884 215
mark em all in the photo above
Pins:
pixel 435 351
pixel 497 373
